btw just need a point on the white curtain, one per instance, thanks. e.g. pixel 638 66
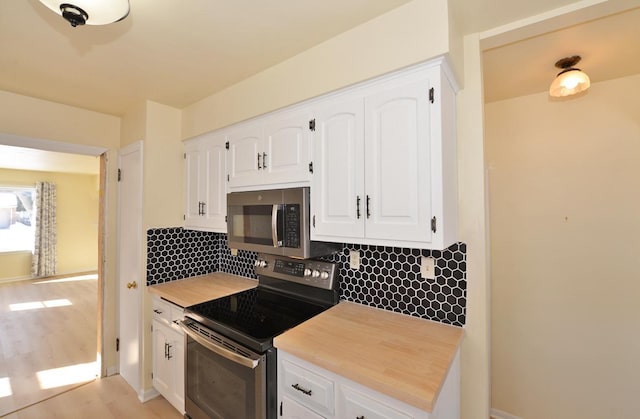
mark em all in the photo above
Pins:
pixel 44 258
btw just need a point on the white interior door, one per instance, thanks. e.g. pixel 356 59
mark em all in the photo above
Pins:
pixel 130 283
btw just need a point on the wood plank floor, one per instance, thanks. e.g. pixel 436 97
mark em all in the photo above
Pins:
pixel 48 347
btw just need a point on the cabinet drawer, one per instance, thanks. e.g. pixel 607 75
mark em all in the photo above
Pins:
pixel 356 405
pixel 161 310
pixel 309 388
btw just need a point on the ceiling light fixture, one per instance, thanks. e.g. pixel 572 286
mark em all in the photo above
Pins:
pixel 90 12
pixel 570 80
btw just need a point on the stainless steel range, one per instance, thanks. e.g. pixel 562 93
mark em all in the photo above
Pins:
pixel 230 358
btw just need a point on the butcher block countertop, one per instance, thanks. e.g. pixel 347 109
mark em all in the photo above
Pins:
pixel 404 357
pixel 198 289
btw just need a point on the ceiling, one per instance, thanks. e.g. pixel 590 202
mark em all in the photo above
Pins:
pixel 609 47
pixel 177 53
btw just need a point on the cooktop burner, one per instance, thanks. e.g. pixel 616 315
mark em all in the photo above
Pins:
pixel 254 317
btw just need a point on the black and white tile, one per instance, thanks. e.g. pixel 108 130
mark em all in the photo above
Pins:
pixel 175 253
pixel 388 277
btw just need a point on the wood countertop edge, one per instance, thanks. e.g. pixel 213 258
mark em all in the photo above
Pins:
pixel 171 295
pixel 425 403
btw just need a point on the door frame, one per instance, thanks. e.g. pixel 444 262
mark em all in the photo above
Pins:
pixel 87 150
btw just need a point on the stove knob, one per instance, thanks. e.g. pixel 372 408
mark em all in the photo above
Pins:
pixel 307 272
pixel 315 273
pixel 324 275
pixel 262 264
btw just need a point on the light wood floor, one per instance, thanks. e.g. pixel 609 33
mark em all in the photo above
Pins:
pixel 48 351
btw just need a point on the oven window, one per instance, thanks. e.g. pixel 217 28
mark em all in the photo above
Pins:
pixel 252 224
pixel 221 388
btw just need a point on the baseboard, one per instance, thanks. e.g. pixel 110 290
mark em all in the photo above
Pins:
pixel 499 414
pixel 146 395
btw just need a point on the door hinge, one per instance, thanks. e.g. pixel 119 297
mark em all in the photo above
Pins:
pixel 152 376
pixel 433 224
pixel 311 167
pixel 119 175
pixel 431 95
pixel 226 145
pixel 117 344
pixel 312 125
pixel 184 155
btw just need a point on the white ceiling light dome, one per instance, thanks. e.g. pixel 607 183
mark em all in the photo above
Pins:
pixel 90 12
pixel 570 80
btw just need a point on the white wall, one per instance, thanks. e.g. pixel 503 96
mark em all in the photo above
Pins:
pixel 565 236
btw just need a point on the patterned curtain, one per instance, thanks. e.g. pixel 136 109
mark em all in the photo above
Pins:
pixel 44 258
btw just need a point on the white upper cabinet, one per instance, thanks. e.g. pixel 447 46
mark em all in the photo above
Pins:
pixel 385 162
pixel 205 183
pixel 338 196
pixel 270 152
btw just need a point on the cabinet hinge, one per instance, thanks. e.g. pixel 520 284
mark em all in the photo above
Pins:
pixel 152 376
pixel 184 217
pixel 119 175
pixel 280 408
pixel 314 221
pixel 312 125
pixel 431 94
pixel 225 218
pixel 227 178
pixel 226 145
pixel 311 167
pixel 433 224
pixel 117 344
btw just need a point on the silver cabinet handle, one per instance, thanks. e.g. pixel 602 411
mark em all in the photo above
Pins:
pixel 358 206
pixel 368 202
pixel 259 167
pixel 264 160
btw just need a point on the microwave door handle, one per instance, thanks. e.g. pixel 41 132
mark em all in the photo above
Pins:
pixel 274 225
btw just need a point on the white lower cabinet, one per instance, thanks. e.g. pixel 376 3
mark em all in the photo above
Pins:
pixel 168 353
pixel 308 391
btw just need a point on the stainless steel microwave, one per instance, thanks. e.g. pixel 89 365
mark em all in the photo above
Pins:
pixel 273 221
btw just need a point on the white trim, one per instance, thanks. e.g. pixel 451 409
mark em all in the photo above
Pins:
pixel 50 145
pixel 499 414
pixel 146 395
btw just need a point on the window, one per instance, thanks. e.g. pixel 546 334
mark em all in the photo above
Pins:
pixel 16 219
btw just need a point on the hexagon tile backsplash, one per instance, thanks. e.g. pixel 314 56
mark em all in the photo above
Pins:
pixel 388 278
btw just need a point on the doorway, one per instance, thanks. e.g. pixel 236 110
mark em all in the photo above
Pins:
pixel 52 327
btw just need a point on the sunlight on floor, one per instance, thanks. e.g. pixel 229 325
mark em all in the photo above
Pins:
pixel 32 305
pixel 70 279
pixel 73 374
pixel 5 387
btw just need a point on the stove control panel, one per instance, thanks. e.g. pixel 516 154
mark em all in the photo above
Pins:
pixel 315 273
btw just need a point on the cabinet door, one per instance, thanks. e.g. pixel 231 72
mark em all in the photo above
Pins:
pixel 175 355
pixel 162 368
pixel 397 162
pixel 286 149
pixel 293 410
pixel 245 156
pixel 194 187
pixel 215 180
pixel 338 201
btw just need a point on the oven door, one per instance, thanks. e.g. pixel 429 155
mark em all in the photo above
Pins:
pixel 223 380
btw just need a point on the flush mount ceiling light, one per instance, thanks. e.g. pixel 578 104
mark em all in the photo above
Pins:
pixel 90 12
pixel 570 80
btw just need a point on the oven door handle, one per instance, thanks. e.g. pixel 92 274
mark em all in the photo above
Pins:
pixel 223 352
